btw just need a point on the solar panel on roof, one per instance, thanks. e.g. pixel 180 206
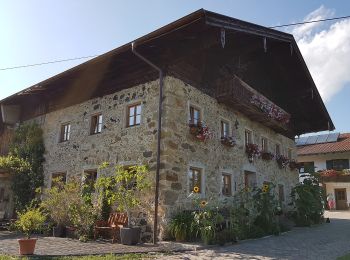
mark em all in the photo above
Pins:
pixel 333 137
pixel 301 140
pixel 321 138
pixel 311 139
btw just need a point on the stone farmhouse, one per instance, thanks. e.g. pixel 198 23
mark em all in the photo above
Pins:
pixel 185 99
pixel 328 154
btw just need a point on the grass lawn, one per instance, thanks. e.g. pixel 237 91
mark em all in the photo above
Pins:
pixel 344 257
pixel 90 257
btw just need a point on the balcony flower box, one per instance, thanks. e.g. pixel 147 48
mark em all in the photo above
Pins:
pixel 293 165
pixel 200 131
pixel 228 141
pixel 267 156
pixel 282 161
pixel 252 150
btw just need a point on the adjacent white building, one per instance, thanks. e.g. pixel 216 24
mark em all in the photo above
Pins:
pixel 330 155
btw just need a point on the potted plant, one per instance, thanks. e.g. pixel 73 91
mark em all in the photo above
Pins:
pixel 129 184
pixel 57 202
pixel 180 226
pixel 28 222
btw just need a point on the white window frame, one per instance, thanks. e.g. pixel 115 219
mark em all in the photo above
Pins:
pixel 196 106
pixel 228 122
pixel 251 136
pixel 127 113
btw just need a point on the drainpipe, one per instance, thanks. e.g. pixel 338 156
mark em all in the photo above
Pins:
pixel 156 195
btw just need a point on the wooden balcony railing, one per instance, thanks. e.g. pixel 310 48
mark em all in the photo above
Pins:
pixel 236 93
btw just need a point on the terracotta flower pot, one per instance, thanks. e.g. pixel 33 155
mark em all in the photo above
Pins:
pixel 27 246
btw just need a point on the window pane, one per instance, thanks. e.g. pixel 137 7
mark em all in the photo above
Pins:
pixel 138 109
pixel 195 180
pixel 131 121
pixel 100 119
pixel 131 111
pixel 138 119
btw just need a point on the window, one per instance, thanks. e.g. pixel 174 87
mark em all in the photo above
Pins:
pixel 195 115
pixel 248 137
pixel 96 124
pixel 225 129
pixel 134 115
pixel 307 167
pixel 277 149
pixel 65 132
pixel 57 178
pixel 90 177
pixel 249 179
pixel 281 192
pixel 195 179
pixel 337 164
pixel 264 147
pixel 226 185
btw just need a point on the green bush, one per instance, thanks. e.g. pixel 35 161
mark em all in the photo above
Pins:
pixel 181 226
pixel 29 221
pixel 307 201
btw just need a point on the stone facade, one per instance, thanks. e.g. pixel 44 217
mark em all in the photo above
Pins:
pixel 180 150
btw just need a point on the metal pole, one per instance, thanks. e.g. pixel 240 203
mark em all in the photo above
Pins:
pixel 156 195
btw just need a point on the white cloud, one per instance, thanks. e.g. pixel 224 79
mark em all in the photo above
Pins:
pixel 326 50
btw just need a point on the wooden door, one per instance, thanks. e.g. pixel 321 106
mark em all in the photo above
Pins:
pixel 340 199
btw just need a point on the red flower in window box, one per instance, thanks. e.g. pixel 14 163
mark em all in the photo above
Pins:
pixel 267 156
pixel 228 141
pixel 282 161
pixel 252 151
pixel 200 131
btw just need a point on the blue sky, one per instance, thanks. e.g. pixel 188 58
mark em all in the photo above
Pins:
pixel 42 30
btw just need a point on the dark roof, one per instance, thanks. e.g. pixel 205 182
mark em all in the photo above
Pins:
pixel 190 49
pixel 341 145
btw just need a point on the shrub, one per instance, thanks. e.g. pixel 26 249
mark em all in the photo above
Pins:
pixel 307 201
pixel 181 226
pixel 30 221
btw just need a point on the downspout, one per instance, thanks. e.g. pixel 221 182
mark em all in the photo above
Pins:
pixel 156 195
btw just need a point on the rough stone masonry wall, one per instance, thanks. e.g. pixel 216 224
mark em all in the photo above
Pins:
pixel 182 150
pixel 116 143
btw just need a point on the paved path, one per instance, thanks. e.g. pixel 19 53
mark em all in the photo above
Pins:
pixel 327 241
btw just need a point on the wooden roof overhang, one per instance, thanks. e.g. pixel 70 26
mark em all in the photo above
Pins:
pixel 191 49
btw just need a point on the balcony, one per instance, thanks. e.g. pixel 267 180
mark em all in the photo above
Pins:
pixel 236 93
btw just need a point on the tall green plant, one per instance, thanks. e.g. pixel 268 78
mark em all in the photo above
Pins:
pixel 27 146
pixel 124 187
pixel 307 201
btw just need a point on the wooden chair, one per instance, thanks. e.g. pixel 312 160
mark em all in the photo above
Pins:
pixel 113 224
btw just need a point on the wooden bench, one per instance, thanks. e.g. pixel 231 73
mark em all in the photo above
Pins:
pixel 113 224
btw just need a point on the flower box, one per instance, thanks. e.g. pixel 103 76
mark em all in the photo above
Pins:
pixel 200 131
pixel 293 165
pixel 228 141
pixel 252 150
pixel 282 161
pixel 267 156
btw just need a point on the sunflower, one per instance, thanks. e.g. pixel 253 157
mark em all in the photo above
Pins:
pixel 203 203
pixel 195 189
pixel 265 188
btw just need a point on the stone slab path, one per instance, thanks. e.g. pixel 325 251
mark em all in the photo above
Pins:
pixel 327 241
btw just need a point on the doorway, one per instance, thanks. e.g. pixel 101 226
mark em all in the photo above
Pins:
pixel 340 199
